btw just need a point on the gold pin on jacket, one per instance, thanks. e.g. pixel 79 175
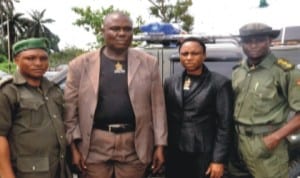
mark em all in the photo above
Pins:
pixel 187 84
pixel 119 68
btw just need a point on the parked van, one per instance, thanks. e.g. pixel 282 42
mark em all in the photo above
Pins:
pixel 222 56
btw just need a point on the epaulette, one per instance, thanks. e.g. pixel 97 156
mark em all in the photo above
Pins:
pixel 285 64
pixel 5 80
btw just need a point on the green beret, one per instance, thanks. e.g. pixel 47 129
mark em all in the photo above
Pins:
pixel 257 29
pixel 31 43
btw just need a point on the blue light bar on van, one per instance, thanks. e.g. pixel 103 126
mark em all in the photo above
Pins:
pixel 160 28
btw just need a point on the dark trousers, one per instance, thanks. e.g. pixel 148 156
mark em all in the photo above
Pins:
pixel 186 165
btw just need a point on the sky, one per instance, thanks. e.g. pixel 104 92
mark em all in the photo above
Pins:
pixel 212 17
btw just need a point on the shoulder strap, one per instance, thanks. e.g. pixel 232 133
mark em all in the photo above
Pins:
pixel 285 64
pixel 12 92
pixel 5 80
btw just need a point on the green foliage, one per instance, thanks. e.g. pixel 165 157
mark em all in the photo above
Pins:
pixel 3 58
pixel 21 27
pixel 171 13
pixel 64 56
pixel 8 67
pixel 2 48
pixel 263 3
pixel 139 22
pixel 92 20
pixel 56 58
pixel 37 28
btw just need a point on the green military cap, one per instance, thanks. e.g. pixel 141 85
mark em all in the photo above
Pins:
pixel 31 43
pixel 258 29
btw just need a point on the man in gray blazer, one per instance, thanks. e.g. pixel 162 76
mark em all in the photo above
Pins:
pixel 115 114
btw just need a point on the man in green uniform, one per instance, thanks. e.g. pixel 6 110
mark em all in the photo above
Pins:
pixel 32 136
pixel 267 89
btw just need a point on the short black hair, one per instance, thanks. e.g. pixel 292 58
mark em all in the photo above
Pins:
pixel 193 39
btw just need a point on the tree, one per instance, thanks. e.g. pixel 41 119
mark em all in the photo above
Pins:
pixel 139 21
pixel 170 13
pixel 93 20
pixel 13 29
pixel 65 55
pixel 37 28
pixel 263 3
pixel 6 6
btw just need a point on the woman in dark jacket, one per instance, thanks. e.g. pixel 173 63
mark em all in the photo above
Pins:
pixel 199 110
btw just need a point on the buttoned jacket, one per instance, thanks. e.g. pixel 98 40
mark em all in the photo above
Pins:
pixel 267 92
pixel 203 122
pixel 31 119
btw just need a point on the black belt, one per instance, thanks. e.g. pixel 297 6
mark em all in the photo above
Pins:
pixel 116 128
pixel 249 130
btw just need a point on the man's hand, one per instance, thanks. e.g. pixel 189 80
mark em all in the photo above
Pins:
pixel 215 170
pixel 271 141
pixel 158 159
pixel 77 159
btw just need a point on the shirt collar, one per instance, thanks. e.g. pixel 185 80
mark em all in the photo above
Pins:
pixel 267 62
pixel 19 79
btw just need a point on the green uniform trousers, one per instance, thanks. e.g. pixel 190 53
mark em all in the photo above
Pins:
pixel 261 162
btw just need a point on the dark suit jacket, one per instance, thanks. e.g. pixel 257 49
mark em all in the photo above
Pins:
pixel 204 123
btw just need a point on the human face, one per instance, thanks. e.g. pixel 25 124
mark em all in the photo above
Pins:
pixel 192 57
pixel 256 47
pixel 32 63
pixel 117 32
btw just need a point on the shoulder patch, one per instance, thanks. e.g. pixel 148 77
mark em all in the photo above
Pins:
pixel 5 80
pixel 285 64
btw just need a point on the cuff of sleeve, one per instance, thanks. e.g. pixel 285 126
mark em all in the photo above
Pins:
pixel 75 135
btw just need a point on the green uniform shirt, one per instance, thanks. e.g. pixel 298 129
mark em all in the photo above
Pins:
pixel 31 119
pixel 266 93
